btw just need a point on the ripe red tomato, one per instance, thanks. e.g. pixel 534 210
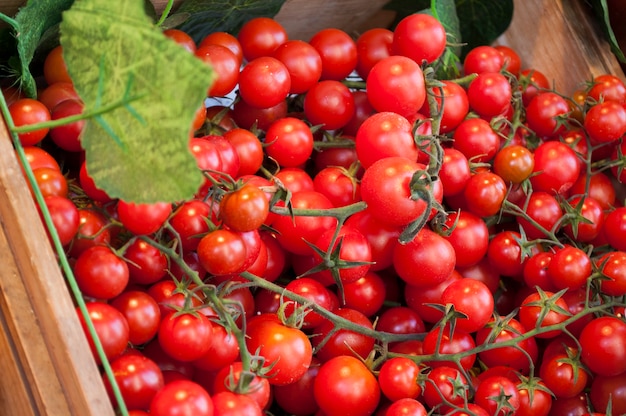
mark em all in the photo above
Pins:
pixel 513 163
pixel 182 397
pixel 520 357
pixel 92 231
pixel 258 388
pixel 603 346
pixel 27 111
pixel 224 39
pixel 143 218
pixel 185 336
pixel 385 189
pixel 335 392
pixel 472 298
pixel 569 268
pixel 244 209
pixel 67 136
pixel 142 313
pixel 532 82
pixel 54 68
pixel 338 52
pixel 543 309
pixel 303 62
pixel 372 46
pixel 469 237
pixel 226 65
pixel 343 342
pixel 489 94
pixel 605 122
pixel 100 273
pixel 65 217
pixel 110 326
pixel 227 403
pixel 425 261
pixel 419 36
pixel 615 228
pixel 352 246
pixel 398 379
pixel 260 36
pixel 484 193
pixel 454 172
pixel 564 376
pixel 498 395
pixel 406 406
pixel 329 104
pixel 146 263
pixel 445 386
pixel 385 134
pixel 512 61
pixel 396 84
pixel 181 38
pixel 264 82
pixel 223 352
pixel 289 141
pixel 482 59
pixel 607 87
pixel 55 93
pixel 543 213
pixel 222 252
pixel 293 233
pixel 366 295
pixel 287 350
pixel 190 221
pixel 543 114
pixel 455 103
pixel 476 139
pixel 138 378
pixel 444 341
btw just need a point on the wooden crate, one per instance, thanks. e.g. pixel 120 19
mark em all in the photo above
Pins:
pixel 44 357
pixel 45 361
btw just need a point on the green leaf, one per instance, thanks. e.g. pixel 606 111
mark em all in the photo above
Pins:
pixel 483 21
pixel 601 9
pixel 201 17
pixel 29 26
pixel 138 151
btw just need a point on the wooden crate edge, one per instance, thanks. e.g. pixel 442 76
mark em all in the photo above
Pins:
pixel 51 301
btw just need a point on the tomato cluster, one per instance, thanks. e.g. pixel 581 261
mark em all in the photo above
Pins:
pixel 369 239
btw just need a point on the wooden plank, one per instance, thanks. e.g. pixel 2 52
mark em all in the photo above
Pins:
pixel 56 358
pixel 562 39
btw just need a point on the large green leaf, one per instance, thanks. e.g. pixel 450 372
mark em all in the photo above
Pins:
pixel 483 21
pixel 137 152
pixel 29 25
pixel 201 17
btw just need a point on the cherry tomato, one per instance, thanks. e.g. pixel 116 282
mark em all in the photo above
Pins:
pixel 338 52
pixel 335 387
pixel 27 111
pixel 287 350
pixel 303 63
pixel 138 378
pixel 396 84
pixel 182 397
pixel 264 82
pixel 420 37
pixel 260 36
pixel 185 336
pixel 110 326
pixel 329 104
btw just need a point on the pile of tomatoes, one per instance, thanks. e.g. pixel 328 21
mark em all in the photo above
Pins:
pixel 369 239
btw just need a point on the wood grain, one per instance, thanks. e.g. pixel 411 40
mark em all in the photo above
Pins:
pixel 562 39
pixel 47 352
